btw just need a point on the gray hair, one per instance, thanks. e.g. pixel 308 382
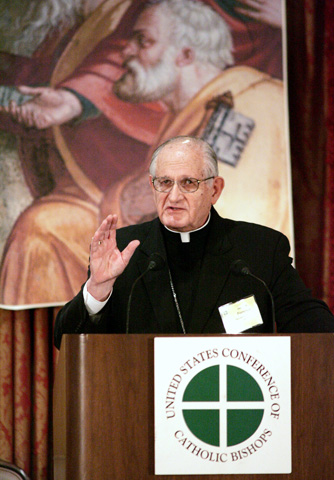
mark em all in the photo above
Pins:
pixel 209 155
pixel 198 26
pixel 24 28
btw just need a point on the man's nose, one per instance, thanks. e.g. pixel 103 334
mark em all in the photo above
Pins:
pixel 175 192
pixel 130 49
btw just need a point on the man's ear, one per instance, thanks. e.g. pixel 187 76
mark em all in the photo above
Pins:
pixel 150 179
pixel 185 57
pixel 218 187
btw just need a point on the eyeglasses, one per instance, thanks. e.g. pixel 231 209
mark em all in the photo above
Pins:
pixel 186 185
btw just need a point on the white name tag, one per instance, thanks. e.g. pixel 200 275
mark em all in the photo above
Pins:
pixel 241 315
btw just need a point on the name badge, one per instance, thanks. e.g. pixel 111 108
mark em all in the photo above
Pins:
pixel 241 315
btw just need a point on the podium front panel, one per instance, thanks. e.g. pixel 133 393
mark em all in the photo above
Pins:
pixel 104 409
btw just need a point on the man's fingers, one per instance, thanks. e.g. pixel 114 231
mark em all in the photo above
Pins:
pixel 12 108
pixel 30 90
pixel 104 231
pixel 109 223
pixel 129 251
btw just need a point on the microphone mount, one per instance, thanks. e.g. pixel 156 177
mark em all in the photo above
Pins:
pixel 239 267
pixel 156 262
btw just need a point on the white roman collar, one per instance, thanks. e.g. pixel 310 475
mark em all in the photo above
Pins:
pixel 185 236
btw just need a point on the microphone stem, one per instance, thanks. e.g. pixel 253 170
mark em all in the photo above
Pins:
pixel 271 299
pixel 130 298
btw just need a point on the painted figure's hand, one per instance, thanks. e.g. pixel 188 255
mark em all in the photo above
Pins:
pixel 48 107
pixel 265 11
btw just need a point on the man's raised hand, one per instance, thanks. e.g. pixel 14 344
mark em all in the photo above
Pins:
pixel 107 262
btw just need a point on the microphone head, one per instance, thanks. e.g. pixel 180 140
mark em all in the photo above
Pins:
pixel 239 267
pixel 157 262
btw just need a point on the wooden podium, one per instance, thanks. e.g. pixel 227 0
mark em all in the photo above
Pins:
pixel 104 409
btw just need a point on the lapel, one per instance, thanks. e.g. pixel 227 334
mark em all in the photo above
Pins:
pixel 219 254
pixel 212 289
pixel 157 282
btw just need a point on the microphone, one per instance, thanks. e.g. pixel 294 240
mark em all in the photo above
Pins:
pixel 239 267
pixel 156 262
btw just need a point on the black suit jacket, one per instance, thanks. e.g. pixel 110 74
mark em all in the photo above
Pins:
pixel 266 253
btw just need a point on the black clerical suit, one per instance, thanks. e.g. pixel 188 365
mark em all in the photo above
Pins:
pixel 212 281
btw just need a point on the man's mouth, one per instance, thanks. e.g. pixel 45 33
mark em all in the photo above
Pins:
pixel 129 65
pixel 174 209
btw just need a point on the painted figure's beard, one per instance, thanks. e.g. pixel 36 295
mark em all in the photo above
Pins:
pixel 149 84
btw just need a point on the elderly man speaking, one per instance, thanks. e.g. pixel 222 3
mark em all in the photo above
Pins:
pixel 189 270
